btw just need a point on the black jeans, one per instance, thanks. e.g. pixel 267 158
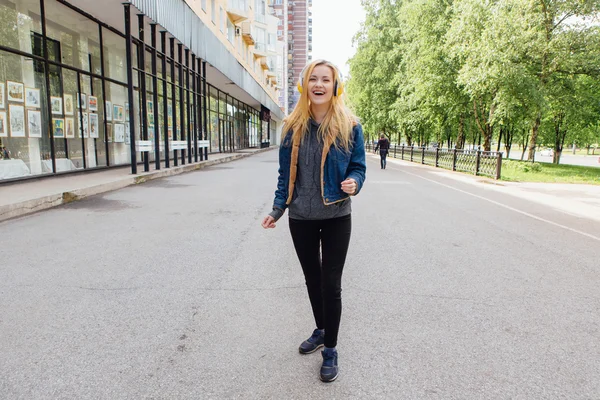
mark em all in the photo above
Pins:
pixel 322 246
pixel 383 153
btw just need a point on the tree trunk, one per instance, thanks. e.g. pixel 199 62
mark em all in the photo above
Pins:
pixel 487 142
pixel 502 129
pixel 510 134
pixel 534 134
pixel 524 145
pixel 460 140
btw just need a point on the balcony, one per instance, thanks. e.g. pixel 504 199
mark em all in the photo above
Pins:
pixel 261 50
pixel 237 10
pixel 248 33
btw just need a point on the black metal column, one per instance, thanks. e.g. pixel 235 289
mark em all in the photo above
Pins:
pixel 187 105
pixel 128 44
pixel 155 97
pixel 163 49
pixel 205 109
pixel 104 94
pixel 142 81
pixel 194 114
pixel 181 99
pixel 173 97
pixel 48 94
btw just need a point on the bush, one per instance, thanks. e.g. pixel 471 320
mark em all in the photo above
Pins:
pixel 523 166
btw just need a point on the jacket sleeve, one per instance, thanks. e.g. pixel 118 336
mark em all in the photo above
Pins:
pixel 281 193
pixel 357 169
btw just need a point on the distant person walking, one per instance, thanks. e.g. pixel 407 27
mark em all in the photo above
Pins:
pixel 321 165
pixel 384 146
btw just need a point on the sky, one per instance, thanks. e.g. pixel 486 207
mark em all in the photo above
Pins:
pixel 335 22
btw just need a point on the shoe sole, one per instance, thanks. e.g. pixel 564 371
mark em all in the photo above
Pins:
pixel 312 351
pixel 328 380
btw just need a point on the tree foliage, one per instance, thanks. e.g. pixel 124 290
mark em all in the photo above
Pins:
pixel 479 71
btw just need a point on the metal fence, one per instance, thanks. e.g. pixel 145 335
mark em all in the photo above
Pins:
pixel 486 163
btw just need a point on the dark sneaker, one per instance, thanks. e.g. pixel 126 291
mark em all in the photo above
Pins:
pixel 329 369
pixel 311 344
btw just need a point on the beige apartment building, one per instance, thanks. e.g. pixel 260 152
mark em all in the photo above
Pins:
pixel 88 85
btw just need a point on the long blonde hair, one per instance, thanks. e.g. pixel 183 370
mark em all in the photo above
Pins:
pixel 337 125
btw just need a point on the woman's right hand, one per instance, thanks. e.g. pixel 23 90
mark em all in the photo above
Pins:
pixel 268 222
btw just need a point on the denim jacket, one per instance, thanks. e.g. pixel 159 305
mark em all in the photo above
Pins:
pixel 337 165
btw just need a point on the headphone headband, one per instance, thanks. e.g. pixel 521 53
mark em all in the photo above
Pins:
pixel 338 85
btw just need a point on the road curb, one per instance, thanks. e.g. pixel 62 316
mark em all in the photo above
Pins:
pixel 31 206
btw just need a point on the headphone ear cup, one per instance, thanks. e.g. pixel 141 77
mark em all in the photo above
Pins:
pixel 340 89
pixel 299 87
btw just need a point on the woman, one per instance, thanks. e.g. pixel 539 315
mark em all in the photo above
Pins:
pixel 321 164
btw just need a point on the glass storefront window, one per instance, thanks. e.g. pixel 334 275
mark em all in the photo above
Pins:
pixel 58 115
pixel 117 122
pixel 78 36
pixel 24 132
pixel 18 19
pixel 115 56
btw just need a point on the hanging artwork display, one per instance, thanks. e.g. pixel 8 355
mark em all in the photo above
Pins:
pixel 15 91
pixel 119 133
pixel 118 113
pixel 59 127
pixel 109 110
pixel 34 123
pixel 57 106
pixel 3 128
pixel 69 128
pixel 93 101
pixel 2 95
pixel 17 120
pixel 81 101
pixel 93 125
pixel 68 104
pixel 32 97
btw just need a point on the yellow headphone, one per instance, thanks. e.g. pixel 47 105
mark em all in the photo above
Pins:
pixel 338 86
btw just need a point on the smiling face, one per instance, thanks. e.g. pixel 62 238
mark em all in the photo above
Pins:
pixel 320 85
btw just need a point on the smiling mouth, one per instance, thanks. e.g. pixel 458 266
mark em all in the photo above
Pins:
pixel 319 93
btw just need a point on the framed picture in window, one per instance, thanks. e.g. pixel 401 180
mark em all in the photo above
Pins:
pixel 34 123
pixel 81 101
pixel 109 110
pixel 109 133
pixel 16 91
pixel 59 127
pixel 69 128
pixel 86 130
pixel 94 126
pixel 57 105
pixel 2 96
pixel 93 101
pixel 118 113
pixel 3 128
pixel 32 97
pixel 119 132
pixel 68 104
pixel 17 120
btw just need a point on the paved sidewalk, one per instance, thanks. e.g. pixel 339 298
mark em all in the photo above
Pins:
pixel 574 199
pixel 30 196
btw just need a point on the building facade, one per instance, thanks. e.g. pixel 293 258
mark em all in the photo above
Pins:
pixel 294 32
pixel 299 44
pixel 87 85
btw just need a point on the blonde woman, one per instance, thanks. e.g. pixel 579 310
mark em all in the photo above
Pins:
pixel 321 165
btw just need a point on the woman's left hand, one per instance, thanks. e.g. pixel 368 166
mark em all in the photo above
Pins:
pixel 349 186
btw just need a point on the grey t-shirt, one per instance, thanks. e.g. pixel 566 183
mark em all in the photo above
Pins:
pixel 307 199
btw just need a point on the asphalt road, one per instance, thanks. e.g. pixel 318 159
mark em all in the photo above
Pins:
pixel 172 290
